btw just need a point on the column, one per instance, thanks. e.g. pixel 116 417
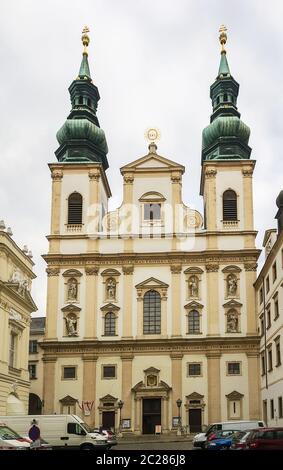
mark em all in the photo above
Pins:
pixel 176 300
pixel 213 387
pixel 213 299
pixel 176 367
pixel 165 412
pixel 210 197
pixel 128 301
pixel 176 178
pixel 91 302
pixel 126 411
pixel 128 207
pixel 89 384
pixel 250 273
pixel 138 429
pixel 248 198
pixel 94 208
pixel 49 373
pixel 52 303
pixel 254 386
pixel 56 175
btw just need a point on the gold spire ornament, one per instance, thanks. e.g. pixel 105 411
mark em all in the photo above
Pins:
pixel 223 37
pixel 85 39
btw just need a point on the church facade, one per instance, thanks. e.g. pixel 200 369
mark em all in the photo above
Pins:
pixel 151 308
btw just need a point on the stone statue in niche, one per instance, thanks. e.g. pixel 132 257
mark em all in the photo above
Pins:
pixel 23 284
pixel 72 289
pixel 232 284
pixel 232 322
pixel 111 289
pixel 193 286
pixel 71 325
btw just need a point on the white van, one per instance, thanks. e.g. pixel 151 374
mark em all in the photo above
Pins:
pixel 200 438
pixel 11 440
pixel 59 430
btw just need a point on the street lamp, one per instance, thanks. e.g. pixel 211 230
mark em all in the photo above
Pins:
pixel 120 406
pixel 179 403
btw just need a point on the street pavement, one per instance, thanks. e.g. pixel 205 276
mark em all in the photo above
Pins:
pixel 154 445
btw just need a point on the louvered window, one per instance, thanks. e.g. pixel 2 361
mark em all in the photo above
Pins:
pixel 151 313
pixel 230 205
pixel 75 208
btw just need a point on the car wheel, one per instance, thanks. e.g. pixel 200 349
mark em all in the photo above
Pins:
pixel 86 447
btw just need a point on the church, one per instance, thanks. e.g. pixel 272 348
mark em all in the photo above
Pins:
pixel 151 321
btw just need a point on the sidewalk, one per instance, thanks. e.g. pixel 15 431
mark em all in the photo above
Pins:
pixel 148 438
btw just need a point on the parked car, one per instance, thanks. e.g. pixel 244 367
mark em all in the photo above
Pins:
pixel 11 440
pixel 239 440
pixel 220 440
pixel 242 425
pixel 110 436
pixel 266 438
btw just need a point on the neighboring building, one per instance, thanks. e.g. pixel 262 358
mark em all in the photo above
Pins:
pixel 151 306
pixel 269 295
pixel 35 365
pixel 16 306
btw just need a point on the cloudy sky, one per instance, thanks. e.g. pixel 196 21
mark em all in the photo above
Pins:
pixel 153 61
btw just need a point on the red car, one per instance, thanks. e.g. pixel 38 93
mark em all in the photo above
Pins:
pixel 265 438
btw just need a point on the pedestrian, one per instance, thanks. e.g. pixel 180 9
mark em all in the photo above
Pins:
pixel 34 434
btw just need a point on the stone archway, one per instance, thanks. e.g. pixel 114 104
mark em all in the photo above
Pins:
pixel 151 390
pixel 34 404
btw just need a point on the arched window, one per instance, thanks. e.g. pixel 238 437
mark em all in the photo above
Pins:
pixel 75 208
pixel 110 324
pixel 230 205
pixel 152 313
pixel 194 322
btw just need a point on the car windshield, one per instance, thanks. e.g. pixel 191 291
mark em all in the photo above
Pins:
pixel 86 427
pixel 7 433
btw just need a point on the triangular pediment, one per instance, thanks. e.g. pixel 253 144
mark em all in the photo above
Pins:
pixel 71 308
pixel 108 398
pixel 151 370
pixel 193 305
pixel 232 304
pixel 68 400
pixel 151 283
pixel 195 396
pixel 234 395
pixel 152 160
pixel 109 307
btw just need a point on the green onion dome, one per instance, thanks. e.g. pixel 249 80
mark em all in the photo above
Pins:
pixel 225 126
pixel 82 129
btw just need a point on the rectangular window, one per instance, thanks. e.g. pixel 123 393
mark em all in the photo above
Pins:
pixel 280 408
pixel 12 350
pixel 69 372
pixel 262 326
pixel 274 271
pixel 261 295
pixel 194 369
pixel 233 368
pixel 271 409
pixel 276 309
pixel 268 318
pixel 152 211
pixel 270 359
pixel 109 372
pixel 262 365
pixel 267 284
pixel 32 371
pixel 33 346
pixel 278 353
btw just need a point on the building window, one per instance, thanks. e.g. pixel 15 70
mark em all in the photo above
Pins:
pixel 268 318
pixel 278 352
pixel 262 365
pixel 32 371
pixel 193 322
pixel 110 324
pixel 233 368
pixel 261 326
pixel 274 272
pixel 261 295
pixel 152 313
pixel 229 205
pixel 13 350
pixel 193 369
pixel 69 372
pixel 109 372
pixel 33 346
pixel 267 284
pixel 280 408
pixel 75 209
pixel 270 359
pixel 276 309
pixel 271 409
pixel 152 211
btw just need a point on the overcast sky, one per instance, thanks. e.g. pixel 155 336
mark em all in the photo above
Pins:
pixel 153 62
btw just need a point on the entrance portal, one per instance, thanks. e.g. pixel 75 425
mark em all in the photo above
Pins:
pixel 151 415
pixel 108 420
pixel 195 419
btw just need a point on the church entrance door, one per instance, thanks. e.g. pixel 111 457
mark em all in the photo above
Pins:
pixel 151 416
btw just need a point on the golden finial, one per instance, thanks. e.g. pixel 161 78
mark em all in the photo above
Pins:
pixel 223 37
pixel 85 39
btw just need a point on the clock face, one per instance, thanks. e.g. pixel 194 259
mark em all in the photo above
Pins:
pixel 152 134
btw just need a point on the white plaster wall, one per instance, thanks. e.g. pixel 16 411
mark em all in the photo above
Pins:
pixel 274 391
pixel 108 386
pixel 194 384
pixel 230 242
pixel 73 246
pixel 145 183
pixel 232 179
pixel 141 363
pixel 74 181
pixel 113 245
pixel 238 383
pixel 72 387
